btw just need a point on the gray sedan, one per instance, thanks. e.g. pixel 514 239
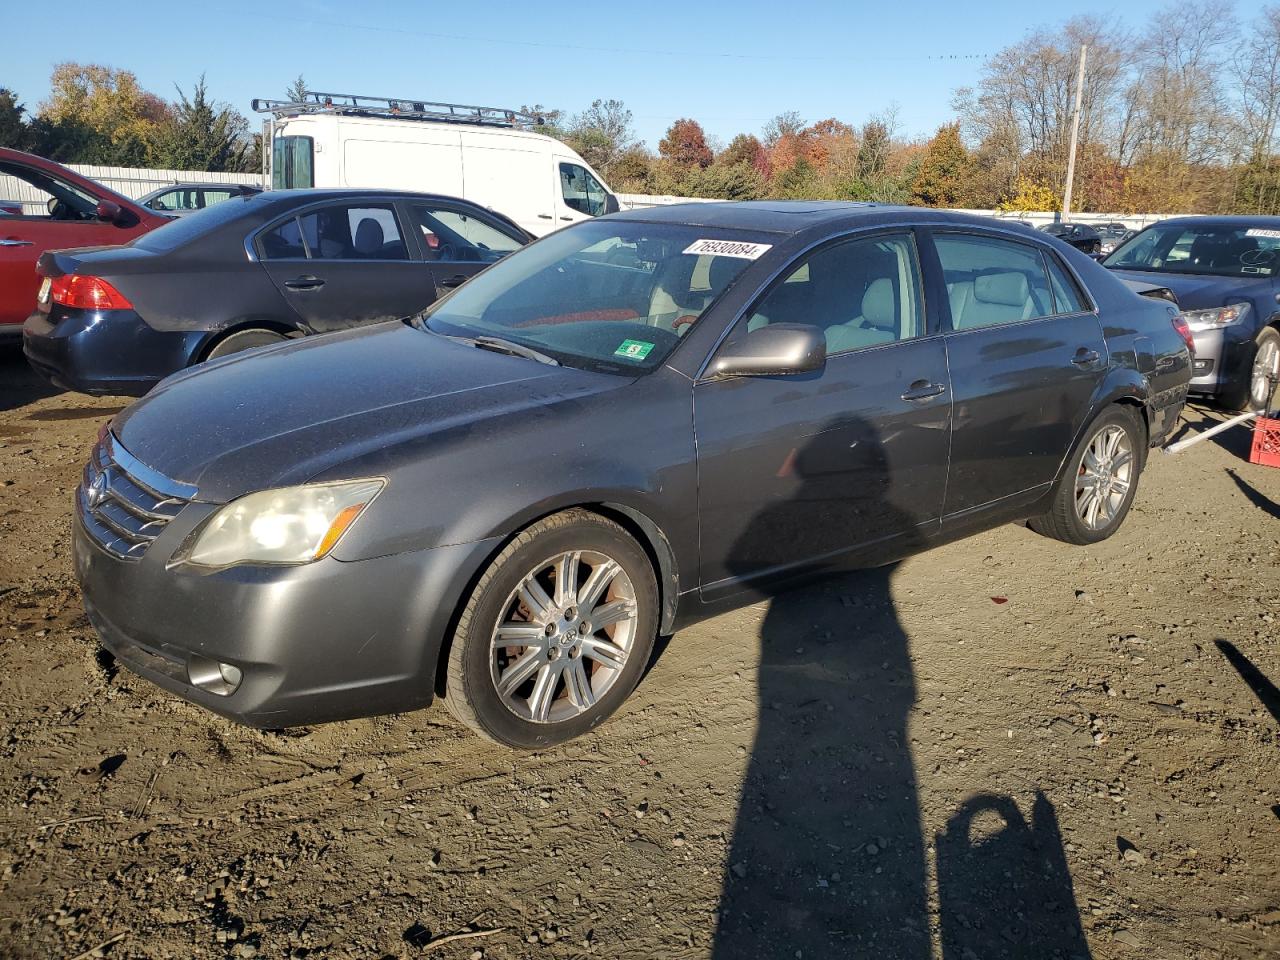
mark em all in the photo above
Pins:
pixel 629 425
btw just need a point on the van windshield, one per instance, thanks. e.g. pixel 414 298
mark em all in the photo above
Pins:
pixel 291 163
pixel 607 295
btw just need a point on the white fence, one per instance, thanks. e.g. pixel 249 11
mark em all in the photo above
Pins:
pixel 135 181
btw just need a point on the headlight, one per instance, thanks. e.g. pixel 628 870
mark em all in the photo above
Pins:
pixel 288 525
pixel 1216 317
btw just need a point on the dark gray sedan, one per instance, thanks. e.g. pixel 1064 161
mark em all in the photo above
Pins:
pixel 627 426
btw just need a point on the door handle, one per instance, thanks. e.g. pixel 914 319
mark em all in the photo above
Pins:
pixel 924 390
pixel 15 242
pixel 545 216
pixel 562 217
pixel 304 283
pixel 1085 356
pixel 452 282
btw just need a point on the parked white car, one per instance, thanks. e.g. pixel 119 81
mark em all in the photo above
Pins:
pixel 481 154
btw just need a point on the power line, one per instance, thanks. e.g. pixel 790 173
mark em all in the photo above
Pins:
pixel 580 48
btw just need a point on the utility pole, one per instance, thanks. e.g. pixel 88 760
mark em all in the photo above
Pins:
pixel 1075 133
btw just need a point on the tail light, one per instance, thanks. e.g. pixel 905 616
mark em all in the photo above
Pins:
pixel 87 293
pixel 1184 330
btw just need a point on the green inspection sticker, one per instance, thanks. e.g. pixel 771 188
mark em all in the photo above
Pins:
pixel 633 349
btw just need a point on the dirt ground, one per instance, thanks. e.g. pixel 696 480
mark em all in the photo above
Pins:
pixel 1006 747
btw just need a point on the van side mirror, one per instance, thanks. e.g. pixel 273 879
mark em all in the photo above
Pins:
pixel 777 349
pixel 611 204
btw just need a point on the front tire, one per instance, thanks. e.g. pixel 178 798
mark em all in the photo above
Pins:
pixel 556 633
pixel 1100 480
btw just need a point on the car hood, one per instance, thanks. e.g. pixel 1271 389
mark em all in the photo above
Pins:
pixel 1197 292
pixel 284 415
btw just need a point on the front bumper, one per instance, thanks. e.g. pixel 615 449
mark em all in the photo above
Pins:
pixel 1223 357
pixel 329 640
pixel 110 352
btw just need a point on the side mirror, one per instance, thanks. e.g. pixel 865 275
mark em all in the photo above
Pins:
pixel 109 211
pixel 611 204
pixel 777 349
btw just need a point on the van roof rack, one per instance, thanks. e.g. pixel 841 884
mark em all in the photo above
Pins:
pixel 401 108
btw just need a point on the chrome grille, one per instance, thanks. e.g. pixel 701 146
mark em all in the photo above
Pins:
pixel 123 503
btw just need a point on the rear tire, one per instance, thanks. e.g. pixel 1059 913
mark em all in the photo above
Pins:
pixel 571 654
pixel 1099 481
pixel 244 340
pixel 1253 392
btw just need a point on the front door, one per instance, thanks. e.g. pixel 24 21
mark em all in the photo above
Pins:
pixel 801 473
pixel 1025 357
pixel 345 264
pixel 458 241
pixel 582 196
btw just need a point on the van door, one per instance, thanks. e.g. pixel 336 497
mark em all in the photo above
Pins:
pixel 510 180
pixel 581 195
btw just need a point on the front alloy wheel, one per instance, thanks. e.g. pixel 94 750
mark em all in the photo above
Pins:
pixel 556 633
pixel 565 636
pixel 1266 371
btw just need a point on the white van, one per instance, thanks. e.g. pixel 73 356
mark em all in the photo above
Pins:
pixel 478 153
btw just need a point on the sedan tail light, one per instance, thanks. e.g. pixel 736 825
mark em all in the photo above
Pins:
pixel 1184 330
pixel 87 293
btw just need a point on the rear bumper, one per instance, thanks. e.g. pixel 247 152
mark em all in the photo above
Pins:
pixel 10 332
pixel 104 352
pixel 323 641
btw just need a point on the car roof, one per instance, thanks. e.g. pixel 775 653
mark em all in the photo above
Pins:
pixel 797 216
pixel 1271 223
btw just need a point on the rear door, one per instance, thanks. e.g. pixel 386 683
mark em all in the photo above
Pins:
pixel 1026 354
pixel 56 213
pixel 346 263
pixel 459 240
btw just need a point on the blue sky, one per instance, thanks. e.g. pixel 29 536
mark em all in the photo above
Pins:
pixel 731 66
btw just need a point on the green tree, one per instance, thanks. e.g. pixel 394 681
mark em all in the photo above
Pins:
pixel 98 114
pixel 725 181
pixel 296 91
pixel 15 133
pixel 202 135
pixel 944 170
pixel 602 133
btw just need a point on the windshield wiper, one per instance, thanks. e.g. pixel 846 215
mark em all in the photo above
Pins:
pixel 499 345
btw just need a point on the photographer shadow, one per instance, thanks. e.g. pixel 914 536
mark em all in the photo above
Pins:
pixel 828 856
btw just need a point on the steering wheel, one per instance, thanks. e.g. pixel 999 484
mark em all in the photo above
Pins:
pixel 679 322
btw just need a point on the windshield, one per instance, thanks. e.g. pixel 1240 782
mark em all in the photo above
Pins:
pixel 1214 249
pixel 608 295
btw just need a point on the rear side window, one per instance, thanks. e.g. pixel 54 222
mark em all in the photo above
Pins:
pixel 339 232
pixel 1066 297
pixel 991 281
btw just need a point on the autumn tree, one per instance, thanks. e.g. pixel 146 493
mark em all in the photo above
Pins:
pixel 685 145
pixel 942 178
pixel 121 119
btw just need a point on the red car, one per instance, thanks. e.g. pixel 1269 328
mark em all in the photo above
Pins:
pixel 77 213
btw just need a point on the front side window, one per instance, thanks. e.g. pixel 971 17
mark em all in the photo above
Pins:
pixel 1216 249
pixel 862 293
pixel 991 281
pixel 50 196
pixel 339 232
pixel 612 296
pixel 582 191
pixel 454 236
pixel 291 162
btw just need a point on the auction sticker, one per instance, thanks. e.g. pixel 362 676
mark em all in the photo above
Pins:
pixel 1251 232
pixel 729 248
pixel 633 349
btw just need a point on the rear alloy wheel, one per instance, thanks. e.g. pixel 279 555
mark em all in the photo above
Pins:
pixel 244 340
pixel 556 634
pixel 1097 488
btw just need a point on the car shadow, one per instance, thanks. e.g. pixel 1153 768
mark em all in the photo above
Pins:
pixel 19 384
pixel 828 856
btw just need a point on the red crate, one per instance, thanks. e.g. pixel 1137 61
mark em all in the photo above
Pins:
pixel 1266 442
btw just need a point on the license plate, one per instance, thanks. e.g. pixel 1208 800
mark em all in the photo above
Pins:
pixel 43 297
